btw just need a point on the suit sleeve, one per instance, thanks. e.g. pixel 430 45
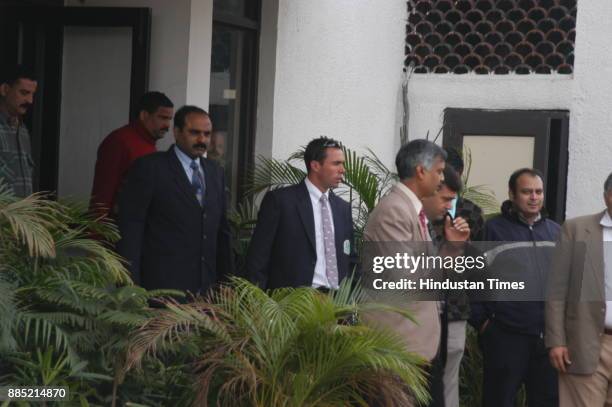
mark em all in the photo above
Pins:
pixel 134 201
pixel 260 248
pixel 558 286
pixel 225 255
pixel 110 166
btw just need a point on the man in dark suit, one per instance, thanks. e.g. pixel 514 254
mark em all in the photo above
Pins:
pixel 172 212
pixel 304 232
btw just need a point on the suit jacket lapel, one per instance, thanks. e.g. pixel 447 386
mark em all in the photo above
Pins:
pixel 337 219
pixel 304 207
pixel 180 177
pixel 595 253
pixel 208 181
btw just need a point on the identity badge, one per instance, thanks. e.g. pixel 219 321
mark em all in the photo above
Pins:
pixel 347 247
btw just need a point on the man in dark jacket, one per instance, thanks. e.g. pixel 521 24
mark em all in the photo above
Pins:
pixel 304 234
pixel 511 332
pixel 172 213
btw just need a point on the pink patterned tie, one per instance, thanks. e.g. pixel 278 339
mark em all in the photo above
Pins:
pixel 423 224
pixel 331 263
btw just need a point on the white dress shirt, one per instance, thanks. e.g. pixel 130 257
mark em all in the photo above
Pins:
pixel 606 222
pixel 186 161
pixel 320 276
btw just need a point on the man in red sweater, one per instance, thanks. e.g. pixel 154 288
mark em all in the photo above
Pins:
pixel 124 145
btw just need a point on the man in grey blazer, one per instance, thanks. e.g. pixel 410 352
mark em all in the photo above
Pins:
pixel 579 325
pixel 399 218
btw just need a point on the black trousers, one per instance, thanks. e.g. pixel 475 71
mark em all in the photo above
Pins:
pixel 512 359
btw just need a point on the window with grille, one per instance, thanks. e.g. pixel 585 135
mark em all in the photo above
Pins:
pixel 491 36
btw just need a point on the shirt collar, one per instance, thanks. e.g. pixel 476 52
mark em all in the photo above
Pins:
pixel 606 220
pixel 184 158
pixel 416 202
pixel 314 192
pixel 524 220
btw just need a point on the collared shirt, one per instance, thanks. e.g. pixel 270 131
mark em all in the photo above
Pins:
pixel 606 222
pixel 186 162
pixel 320 276
pixel 16 164
pixel 416 202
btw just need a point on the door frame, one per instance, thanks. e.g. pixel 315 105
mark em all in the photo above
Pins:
pixel 34 35
pixel 550 129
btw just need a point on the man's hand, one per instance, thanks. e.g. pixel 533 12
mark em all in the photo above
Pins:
pixel 456 231
pixel 559 358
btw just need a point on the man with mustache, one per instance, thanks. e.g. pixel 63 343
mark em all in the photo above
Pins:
pixel 124 145
pixel 17 88
pixel 172 212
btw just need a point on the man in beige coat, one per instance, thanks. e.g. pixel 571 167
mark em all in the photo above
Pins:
pixel 579 324
pixel 399 218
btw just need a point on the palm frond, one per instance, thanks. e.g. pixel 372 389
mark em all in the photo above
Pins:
pixel 30 220
pixel 271 173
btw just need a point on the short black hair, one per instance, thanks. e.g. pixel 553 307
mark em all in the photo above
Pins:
pixel 151 101
pixel 11 74
pixel 608 184
pixel 179 116
pixel 454 159
pixel 452 179
pixel 522 171
pixel 316 150
pixel 417 152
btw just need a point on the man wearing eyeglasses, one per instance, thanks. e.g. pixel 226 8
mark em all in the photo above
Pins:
pixel 304 232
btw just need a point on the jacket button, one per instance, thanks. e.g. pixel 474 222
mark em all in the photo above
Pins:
pixel 203 259
pixel 204 237
pixel 204 215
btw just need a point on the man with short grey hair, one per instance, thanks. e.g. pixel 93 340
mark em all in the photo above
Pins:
pixel 399 217
pixel 578 329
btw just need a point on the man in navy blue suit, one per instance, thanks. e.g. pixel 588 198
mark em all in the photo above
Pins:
pixel 172 212
pixel 304 233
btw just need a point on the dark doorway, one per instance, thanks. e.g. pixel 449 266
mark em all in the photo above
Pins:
pixel 233 79
pixel 504 140
pixel 37 36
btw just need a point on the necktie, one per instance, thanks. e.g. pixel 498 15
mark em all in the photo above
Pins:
pixel 423 225
pixel 196 182
pixel 329 242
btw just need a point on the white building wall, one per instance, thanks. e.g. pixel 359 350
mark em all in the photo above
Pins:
pixel 590 142
pixel 338 73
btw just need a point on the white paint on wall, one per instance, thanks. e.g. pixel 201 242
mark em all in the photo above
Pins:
pixel 338 73
pixel 590 142
pixel 266 78
pixel 95 100
pixel 429 95
pixel 200 49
